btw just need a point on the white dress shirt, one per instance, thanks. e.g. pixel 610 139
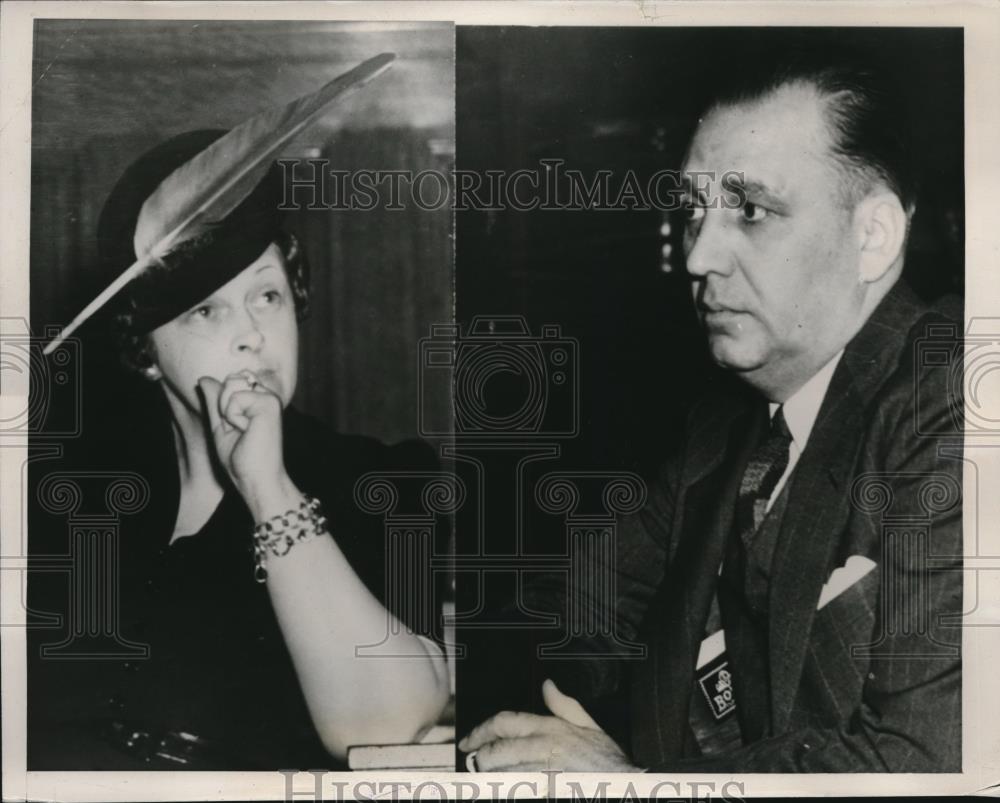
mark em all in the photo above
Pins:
pixel 800 413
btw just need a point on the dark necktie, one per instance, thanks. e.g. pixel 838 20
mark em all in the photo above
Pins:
pixel 767 463
pixel 746 629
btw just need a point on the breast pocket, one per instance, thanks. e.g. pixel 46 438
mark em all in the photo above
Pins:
pixel 843 626
pixel 851 613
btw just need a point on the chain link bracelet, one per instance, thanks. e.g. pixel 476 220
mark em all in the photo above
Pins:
pixel 278 534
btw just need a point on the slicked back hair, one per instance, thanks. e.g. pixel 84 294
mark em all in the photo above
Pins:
pixel 869 121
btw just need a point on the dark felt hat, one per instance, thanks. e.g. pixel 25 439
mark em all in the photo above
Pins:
pixel 199 266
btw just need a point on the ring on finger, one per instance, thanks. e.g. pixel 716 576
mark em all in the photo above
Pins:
pixel 250 378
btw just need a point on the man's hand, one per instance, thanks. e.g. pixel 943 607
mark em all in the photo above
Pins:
pixel 244 417
pixel 566 707
pixel 569 741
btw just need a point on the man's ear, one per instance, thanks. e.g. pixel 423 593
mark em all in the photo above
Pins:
pixel 881 224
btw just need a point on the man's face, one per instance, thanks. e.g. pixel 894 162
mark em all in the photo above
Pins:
pixel 247 324
pixel 775 281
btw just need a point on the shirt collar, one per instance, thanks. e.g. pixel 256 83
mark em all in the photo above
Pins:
pixel 802 407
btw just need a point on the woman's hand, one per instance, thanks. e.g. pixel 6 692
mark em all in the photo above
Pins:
pixel 244 417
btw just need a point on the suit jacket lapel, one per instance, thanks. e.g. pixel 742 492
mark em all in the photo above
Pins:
pixel 813 518
pixel 819 491
pixel 710 504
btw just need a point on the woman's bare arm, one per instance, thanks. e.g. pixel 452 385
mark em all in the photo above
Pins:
pixel 398 688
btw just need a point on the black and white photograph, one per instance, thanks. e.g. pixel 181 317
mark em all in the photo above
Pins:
pixel 751 258
pixel 494 400
pixel 212 591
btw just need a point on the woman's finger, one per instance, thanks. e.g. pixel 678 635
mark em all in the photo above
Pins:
pixel 245 405
pixel 244 380
pixel 211 389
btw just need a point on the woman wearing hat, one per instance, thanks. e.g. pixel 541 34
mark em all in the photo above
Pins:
pixel 251 574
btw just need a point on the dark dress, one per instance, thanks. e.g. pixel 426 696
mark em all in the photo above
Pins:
pixel 218 689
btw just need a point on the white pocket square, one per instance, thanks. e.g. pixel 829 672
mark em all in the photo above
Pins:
pixel 856 567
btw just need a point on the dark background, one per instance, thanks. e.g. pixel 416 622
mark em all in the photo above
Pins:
pixel 620 99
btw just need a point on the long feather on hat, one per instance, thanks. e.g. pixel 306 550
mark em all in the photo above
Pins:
pixel 200 193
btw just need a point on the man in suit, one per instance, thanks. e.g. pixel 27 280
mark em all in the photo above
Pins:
pixel 788 624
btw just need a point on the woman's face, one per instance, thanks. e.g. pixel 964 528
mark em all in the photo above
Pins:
pixel 248 324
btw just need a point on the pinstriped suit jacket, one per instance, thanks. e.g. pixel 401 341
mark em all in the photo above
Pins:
pixel 872 681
